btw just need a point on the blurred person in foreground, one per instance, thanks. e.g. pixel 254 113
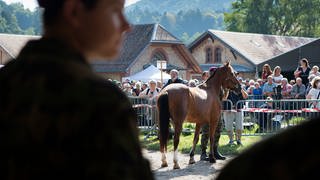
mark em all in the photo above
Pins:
pixel 290 155
pixel 58 119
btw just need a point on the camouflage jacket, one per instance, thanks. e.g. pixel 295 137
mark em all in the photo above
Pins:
pixel 59 119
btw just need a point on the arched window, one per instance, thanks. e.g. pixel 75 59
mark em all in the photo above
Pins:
pixel 208 55
pixel 158 56
pixel 217 56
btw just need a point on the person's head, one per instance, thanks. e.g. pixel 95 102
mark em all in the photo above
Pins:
pixel 304 62
pixel 269 101
pixel 152 84
pixel 159 84
pixel 270 78
pixel 293 82
pixel 266 68
pixel 298 81
pixel 311 77
pixel 138 85
pixel 205 75
pixel 256 85
pixel 212 70
pixel 251 82
pixel 247 82
pixel 316 83
pixel 91 27
pixel 315 69
pixel 192 83
pixel 240 79
pixel 144 86
pixel 284 81
pixel 277 71
pixel 260 81
pixel 174 74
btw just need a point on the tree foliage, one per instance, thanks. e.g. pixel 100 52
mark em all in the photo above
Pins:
pixel 282 17
pixel 15 19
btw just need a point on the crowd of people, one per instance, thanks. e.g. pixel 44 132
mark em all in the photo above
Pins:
pixel 271 84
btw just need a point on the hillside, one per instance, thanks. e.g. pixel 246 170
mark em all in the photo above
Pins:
pixel 174 6
pixel 186 19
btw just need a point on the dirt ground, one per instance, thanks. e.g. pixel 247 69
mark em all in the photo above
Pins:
pixel 200 170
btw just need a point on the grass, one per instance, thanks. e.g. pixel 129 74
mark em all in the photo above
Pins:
pixel 185 144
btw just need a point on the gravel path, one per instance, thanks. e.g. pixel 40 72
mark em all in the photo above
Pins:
pixel 200 170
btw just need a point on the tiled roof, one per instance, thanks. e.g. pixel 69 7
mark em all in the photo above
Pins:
pixel 14 43
pixel 259 47
pixel 256 48
pixel 134 43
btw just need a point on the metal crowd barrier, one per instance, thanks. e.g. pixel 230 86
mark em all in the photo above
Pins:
pixel 147 114
pixel 260 116
pixel 271 116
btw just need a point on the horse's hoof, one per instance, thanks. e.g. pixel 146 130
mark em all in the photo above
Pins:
pixel 164 164
pixel 192 161
pixel 176 166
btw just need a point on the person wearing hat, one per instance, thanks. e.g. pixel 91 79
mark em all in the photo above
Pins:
pixel 59 119
pixel 205 132
pixel 174 78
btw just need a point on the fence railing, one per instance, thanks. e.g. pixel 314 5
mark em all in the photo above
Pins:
pixel 259 116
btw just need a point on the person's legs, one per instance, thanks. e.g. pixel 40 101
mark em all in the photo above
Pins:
pixel 228 122
pixel 217 134
pixel 239 126
pixel 204 142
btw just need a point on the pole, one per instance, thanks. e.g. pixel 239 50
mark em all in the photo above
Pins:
pixel 161 72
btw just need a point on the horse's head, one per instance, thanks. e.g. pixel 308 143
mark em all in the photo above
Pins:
pixel 230 81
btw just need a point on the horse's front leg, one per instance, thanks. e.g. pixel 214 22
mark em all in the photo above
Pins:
pixel 211 135
pixel 195 142
pixel 177 132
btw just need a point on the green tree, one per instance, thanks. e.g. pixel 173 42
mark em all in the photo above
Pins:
pixel 282 17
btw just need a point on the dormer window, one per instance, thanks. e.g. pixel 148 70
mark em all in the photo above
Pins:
pixel 217 56
pixel 208 55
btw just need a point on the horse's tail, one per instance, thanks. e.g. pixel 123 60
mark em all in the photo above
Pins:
pixel 164 119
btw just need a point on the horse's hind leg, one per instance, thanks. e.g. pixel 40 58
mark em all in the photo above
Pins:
pixel 195 142
pixel 177 132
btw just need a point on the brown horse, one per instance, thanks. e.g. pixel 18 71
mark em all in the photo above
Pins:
pixel 198 105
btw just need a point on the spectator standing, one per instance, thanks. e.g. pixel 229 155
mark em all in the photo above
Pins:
pixel 174 78
pixel 151 92
pixel 137 89
pixel 235 115
pixel 276 75
pixel 266 72
pixel 314 93
pixel 303 71
pixel 59 119
pixel 205 75
pixel 268 87
pixel 298 90
pixel 127 89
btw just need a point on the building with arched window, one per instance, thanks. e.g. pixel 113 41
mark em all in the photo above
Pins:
pixel 248 52
pixel 145 45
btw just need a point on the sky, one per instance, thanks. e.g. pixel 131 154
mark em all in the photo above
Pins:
pixel 31 4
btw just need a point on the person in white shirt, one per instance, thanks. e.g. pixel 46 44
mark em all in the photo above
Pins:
pixel 314 93
pixel 151 92
pixel 277 76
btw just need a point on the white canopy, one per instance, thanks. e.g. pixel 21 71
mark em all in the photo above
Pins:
pixel 150 73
